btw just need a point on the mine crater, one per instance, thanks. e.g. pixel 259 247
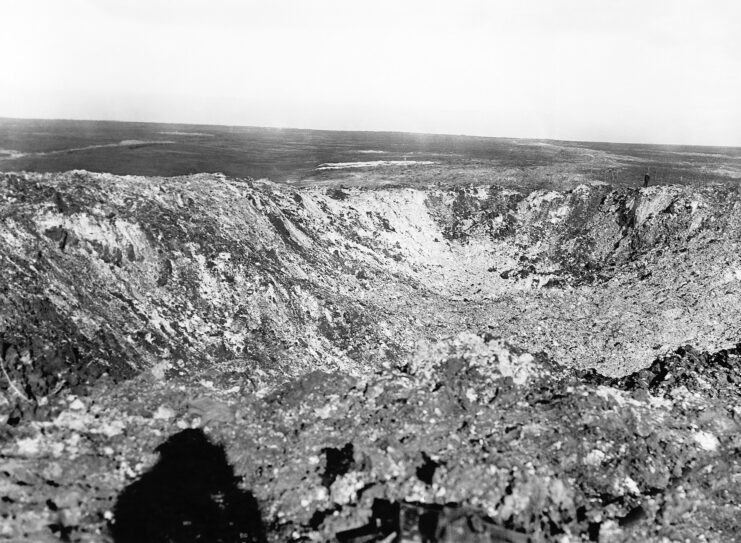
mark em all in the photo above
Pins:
pixel 530 363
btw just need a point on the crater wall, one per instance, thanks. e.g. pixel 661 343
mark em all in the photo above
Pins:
pixel 121 274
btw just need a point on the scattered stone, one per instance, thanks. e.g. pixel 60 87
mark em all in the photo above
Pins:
pixel 163 413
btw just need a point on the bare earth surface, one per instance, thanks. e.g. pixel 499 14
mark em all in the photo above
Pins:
pixel 365 159
pixel 521 364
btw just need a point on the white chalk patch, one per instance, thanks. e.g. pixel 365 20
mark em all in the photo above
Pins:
pixel 371 164
pixel 158 370
pixel 163 413
pixel 29 446
pixel 594 458
pixel 632 486
pixel 111 429
pixel 324 412
pixel 706 440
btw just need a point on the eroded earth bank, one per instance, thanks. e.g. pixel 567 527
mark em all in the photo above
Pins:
pixel 514 366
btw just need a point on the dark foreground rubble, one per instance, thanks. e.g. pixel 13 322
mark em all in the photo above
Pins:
pixel 473 442
pixel 471 365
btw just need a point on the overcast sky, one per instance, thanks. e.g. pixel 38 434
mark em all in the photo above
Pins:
pixel 661 71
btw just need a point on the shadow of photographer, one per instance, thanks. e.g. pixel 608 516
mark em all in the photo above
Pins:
pixel 190 495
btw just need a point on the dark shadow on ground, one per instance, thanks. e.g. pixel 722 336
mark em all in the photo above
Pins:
pixel 190 495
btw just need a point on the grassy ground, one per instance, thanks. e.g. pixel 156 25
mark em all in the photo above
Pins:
pixel 293 155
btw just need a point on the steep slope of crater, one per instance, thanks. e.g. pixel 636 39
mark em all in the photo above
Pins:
pixel 113 275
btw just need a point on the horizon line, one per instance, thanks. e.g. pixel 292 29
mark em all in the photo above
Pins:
pixel 444 134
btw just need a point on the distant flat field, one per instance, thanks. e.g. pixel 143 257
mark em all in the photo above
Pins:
pixel 350 158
